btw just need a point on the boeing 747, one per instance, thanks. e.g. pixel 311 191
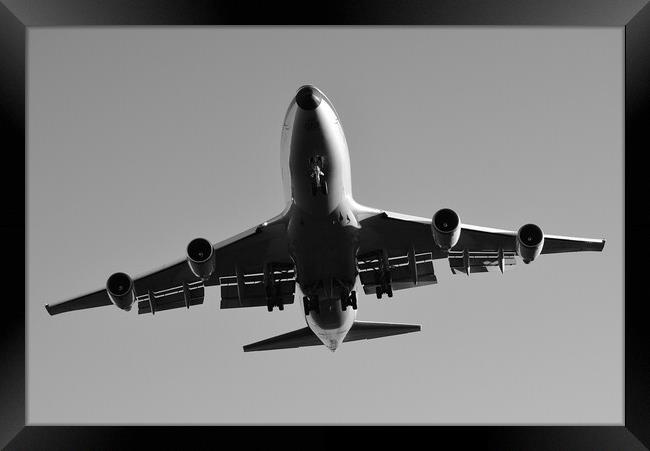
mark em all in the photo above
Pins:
pixel 324 242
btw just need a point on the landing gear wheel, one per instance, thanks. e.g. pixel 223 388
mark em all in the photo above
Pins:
pixel 310 304
pixel 345 301
pixel 323 187
pixel 271 302
pixel 353 300
pixel 389 291
pixel 378 292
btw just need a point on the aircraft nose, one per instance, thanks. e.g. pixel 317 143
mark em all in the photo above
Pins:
pixel 308 98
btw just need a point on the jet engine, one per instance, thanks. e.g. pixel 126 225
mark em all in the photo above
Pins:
pixel 530 241
pixel 200 257
pixel 119 287
pixel 446 228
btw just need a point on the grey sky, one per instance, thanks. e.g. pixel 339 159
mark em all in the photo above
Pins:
pixel 141 139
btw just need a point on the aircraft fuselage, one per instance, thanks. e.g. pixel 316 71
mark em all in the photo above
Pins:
pixel 317 181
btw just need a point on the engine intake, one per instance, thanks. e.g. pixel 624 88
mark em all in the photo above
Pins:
pixel 530 241
pixel 446 228
pixel 121 292
pixel 200 257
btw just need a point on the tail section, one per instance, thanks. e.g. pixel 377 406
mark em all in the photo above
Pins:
pixel 361 330
pixel 295 339
pixel 365 330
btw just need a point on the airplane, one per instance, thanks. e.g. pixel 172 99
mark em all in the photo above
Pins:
pixel 324 241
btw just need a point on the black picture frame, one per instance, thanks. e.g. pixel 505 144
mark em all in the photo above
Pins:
pixel 633 15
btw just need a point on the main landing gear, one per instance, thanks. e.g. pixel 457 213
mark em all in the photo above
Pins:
pixel 383 277
pixel 270 303
pixel 379 291
pixel 311 303
pixel 272 288
pixel 348 299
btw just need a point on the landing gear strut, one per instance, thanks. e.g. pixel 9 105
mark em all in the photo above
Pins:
pixel 311 303
pixel 270 304
pixel 348 299
pixel 273 298
pixel 316 173
pixel 383 277
pixel 379 291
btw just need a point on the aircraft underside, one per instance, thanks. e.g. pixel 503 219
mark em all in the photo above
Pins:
pixel 327 243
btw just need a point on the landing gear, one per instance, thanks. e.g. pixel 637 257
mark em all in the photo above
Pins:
pixel 270 305
pixel 315 187
pixel 383 277
pixel 274 301
pixel 348 299
pixel 316 173
pixel 311 304
pixel 345 300
pixel 274 279
pixel 388 289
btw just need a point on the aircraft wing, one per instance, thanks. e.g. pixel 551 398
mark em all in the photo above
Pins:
pixel 484 238
pixel 406 244
pixel 175 285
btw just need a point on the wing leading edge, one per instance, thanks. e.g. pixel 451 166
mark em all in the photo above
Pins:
pixel 398 237
pixel 389 230
pixel 175 285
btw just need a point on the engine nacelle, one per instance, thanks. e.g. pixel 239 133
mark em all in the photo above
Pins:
pixel 530 241
pixel 119 287
pixel 446 228
pixel 200 257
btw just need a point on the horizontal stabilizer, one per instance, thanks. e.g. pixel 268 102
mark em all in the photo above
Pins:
pixel 364 330
pixel 295 339
pixel 361 330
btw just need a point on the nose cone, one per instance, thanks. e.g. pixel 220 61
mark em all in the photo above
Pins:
pixel 308 97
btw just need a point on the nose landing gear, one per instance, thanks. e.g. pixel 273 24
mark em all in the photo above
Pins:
pixel 316 173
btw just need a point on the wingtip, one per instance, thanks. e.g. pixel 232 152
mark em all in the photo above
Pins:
pixel 49 309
